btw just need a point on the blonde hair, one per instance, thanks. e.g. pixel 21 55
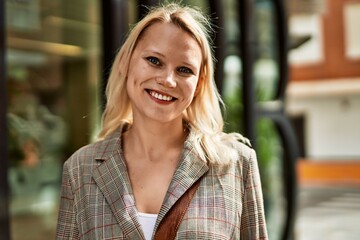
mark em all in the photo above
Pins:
pixel 204 113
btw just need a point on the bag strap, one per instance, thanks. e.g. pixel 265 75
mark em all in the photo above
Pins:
pixel 169 225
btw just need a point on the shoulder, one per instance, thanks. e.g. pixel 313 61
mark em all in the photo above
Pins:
pixel 240 146
pixel 245 164
pixel 244 140
pixel 241 159
pixel 82 161
pixel 241 155
pixel 83 154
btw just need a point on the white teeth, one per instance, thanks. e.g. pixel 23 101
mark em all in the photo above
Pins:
pixel 160 96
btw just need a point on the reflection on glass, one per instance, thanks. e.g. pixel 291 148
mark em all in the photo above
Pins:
pixel 265 65
pixel 269 147
pixel 270 156
pixel 265 77
pixel 232 94
pixel 53 69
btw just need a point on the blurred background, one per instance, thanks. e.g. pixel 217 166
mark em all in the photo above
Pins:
pixel 289 73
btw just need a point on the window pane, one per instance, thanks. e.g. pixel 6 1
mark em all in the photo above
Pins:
pixel 232 94
pixel 270 156
pixel 266 73
pixel 53 72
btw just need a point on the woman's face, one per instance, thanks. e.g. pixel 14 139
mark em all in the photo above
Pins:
pixel 163 73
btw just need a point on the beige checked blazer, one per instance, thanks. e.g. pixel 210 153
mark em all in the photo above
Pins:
pixel 97 200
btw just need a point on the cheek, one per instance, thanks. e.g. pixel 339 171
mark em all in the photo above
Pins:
pixel 139 74
pixel 130 76
pixel 191 90
pixel 132 79
pixel 133 72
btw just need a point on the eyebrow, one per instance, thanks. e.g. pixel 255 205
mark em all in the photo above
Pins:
pixel 154 52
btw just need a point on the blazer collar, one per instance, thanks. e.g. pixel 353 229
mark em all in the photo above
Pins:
pixel 114 183
pixel 189 170
pixel 113 180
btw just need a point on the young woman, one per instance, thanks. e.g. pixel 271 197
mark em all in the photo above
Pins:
pixel 162 132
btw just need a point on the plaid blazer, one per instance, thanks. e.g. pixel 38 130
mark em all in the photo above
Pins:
pixel 97 201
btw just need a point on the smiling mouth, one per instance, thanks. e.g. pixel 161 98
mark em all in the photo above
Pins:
pixel 161 96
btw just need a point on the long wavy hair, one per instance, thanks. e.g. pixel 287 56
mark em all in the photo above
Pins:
pixel 204 113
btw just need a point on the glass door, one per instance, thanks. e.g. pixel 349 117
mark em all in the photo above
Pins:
pixel 254 83
pixel 53 61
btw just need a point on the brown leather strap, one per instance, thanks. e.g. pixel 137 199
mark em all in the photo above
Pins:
pixel 169 225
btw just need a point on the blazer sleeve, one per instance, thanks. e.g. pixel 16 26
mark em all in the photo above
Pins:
pixel 67 227
pixel 253 224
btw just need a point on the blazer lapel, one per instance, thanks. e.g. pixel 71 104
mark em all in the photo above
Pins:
pixel 112 179
pixel 190 169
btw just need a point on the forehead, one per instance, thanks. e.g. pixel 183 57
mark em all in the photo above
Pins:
pixel 169 38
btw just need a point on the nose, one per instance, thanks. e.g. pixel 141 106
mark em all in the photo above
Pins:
pixel 167 79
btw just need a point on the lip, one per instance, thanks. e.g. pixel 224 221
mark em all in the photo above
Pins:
pixel 150 92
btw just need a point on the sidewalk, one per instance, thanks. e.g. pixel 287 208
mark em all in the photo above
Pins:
pixel 328 212
pixel 328 201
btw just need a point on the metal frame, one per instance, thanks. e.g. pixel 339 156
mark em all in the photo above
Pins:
pixel 283 124
pixel 4 191
pixel 283 46
pixel 247 47
pixel 274 110
pixel 115 27
pixel 217 13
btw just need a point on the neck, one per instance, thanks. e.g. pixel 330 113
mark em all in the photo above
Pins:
pixel 148 138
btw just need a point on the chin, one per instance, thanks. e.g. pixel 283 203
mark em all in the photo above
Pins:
pixel 164 118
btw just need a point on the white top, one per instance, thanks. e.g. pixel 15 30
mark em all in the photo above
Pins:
pixel 147 222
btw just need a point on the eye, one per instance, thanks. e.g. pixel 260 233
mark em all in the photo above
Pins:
pixel 153 60
pixel 185 70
